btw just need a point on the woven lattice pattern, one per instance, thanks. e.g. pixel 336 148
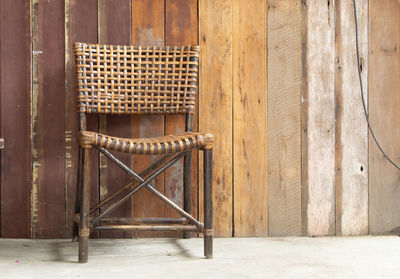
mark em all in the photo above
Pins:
pixel 136 80
pixel 160 145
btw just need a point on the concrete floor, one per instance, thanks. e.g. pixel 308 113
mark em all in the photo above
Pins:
pixel 292 257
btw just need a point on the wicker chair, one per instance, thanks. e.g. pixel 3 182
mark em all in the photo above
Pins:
pixel 140 80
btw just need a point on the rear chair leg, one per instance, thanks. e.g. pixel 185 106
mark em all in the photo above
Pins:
pixel 208 205
pixel 85 208
pixel 187 188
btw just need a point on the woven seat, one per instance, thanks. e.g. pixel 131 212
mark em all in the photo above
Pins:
pixel 137 80
pixel 151 146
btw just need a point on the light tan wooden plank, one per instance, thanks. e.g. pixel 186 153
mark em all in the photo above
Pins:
pixel 215 104
pixel 284 139
pixel 249 118
pixel 384 114
pixel 351 127
pixel 320 157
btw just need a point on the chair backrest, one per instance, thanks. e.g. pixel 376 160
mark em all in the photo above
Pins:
pixel 136 80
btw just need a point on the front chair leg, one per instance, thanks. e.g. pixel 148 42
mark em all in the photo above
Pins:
pixel 208 205
pixel 84 230
pixel 187 188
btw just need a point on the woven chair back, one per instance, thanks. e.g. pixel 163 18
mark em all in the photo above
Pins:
pixel 115 79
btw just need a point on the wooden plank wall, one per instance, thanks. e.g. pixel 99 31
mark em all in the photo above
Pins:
pixel 232 106
pixel 351 154
pixel 335 138
pixel 296 160
pixel 384 113
pixel 284 118
pixel 110 19
pixel 80 25
pixel 215 103
pixel 15 87
pixel 249 49
pixel 181 28
pixel 320 156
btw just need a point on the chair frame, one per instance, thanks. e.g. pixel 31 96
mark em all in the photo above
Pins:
pixel 100 222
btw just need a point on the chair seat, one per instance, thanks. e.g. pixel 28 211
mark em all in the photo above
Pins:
pixel 150 146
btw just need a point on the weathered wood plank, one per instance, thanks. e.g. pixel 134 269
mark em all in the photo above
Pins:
pixel 320 157
pixel 384 114
pixel 115 28
pixel 250 118
pixel 181 29
pixel 49 120
pixel 351 127
pixel 215 104
pixel 15 87
pixel 80 26
pixel 284 117
pixel 147 29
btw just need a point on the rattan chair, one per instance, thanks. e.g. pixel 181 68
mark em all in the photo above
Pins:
pixel 140 80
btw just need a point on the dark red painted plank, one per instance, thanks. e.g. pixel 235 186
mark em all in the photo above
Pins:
pixel 49 123
pixel 16 170
pixel 81 26
pixel 115 28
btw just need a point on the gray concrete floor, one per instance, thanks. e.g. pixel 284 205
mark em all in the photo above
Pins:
pixel 292 257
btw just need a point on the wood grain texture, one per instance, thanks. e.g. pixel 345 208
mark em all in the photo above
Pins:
pixel 384 115
pixel 320 49
pixel 181 29
pixel 15 87
pixel 114 27
pixel 249 118
pixel 80 26
pixel 351 127
pixel 215 104
pixel 49 121
pixel 284 117
pixel 147 29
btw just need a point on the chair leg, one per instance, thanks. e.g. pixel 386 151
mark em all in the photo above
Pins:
pixel 187 188
pixel 208 205
pixel 79 192
pixel 85 208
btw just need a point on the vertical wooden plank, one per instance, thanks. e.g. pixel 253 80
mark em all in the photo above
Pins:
pixel 249 117
pixel 284 117
pixel 80 26
pixel 15 86
pixel 215 104
pixel 181 29
pixel 115 28
pixel 49 119
pixel 351 127
pixel 147 29
pixel 384 114
pixel 320 157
